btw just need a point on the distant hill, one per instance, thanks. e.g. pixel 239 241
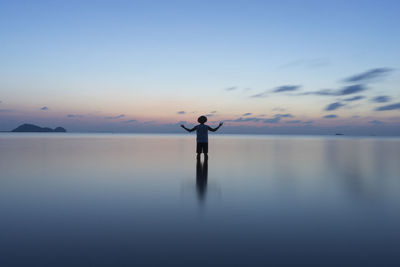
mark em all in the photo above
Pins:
pixel 29 128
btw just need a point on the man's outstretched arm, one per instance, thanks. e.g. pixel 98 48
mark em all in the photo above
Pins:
pixel 189 130
pixel 216 128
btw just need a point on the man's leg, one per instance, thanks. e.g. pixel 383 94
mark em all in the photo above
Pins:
pixel 205 150
pixel 198 150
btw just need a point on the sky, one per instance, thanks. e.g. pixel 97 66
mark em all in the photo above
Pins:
pixel 279 67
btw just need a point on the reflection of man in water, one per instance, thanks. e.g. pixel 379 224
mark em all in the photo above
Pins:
pixel 202 135
pixel 201 178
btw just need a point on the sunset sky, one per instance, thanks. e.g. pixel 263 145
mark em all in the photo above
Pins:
pixel 312 67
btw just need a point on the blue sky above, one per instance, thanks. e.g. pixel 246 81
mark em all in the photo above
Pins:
pixel 149 65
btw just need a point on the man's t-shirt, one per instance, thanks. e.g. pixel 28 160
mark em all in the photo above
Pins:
pixel 202 133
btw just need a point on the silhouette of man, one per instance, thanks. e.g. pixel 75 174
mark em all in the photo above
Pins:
pixel 202 135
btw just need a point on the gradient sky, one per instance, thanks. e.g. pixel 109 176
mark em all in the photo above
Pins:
pixel 146 66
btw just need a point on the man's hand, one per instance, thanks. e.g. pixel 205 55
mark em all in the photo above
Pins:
pixel 183 126
pixel 220 124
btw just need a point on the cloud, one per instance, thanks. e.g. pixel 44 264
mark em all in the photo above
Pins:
pixel 354 98
pixel 254 119
pixel 129 121
pixel 307 63
pixel 369 75
pixel 151 122
pixel 247 114
pixel 330 116
pixel 287 115
pixel 6 110
pixel 293 121
pixel 352 89
pixel 277 118
pixel 347 90
pixel 272 120
pixel 231 88
pixel 278 109
pixel 334 106
pixel 376 122
pixel 74 116
pixel 279 89
pixel 115 117
pixel 381 99
pixel 320 92
pixel 260 95
pixel 181 112
pixel 44 108
pixel 286 88
pixel 389 107
pixel 317 62
pixel 213 112
pixel 294 63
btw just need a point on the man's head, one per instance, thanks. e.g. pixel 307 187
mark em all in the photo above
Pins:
pixel 202 119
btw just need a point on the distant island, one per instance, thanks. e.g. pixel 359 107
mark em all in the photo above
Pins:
pixel 29 128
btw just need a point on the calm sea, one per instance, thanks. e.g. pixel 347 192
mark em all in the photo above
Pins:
pixel 144 200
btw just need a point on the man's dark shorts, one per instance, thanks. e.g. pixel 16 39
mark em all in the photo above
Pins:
pixel 202 147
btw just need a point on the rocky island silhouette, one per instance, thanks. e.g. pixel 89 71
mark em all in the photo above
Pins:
pixel 28 128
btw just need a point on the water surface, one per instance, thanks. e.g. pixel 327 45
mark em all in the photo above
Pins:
pixel 112 200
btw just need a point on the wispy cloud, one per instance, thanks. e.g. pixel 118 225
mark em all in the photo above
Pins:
pixel 322 92
pixel 254 119
pixel 277 118
pixel 151 122
pixel 260 95
pixel 354 98
pixel 212 113
pixel 181 112
pixel 287 115
pixel 231 88
pixel 272 120
pixel 347 90
pixel 129 121
pixel 44 108
pixel 6 110
pixel 286 88
pixel 247 114
pixel 334 106
pixel 294 121
pixel 352 89
pixel 307 63
pixel 381 99
pixel 376 122
pixel 330 116
pixel 279 89
pixel 389 107
pixel 115 117
pixel 74 116
pixel 369 75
